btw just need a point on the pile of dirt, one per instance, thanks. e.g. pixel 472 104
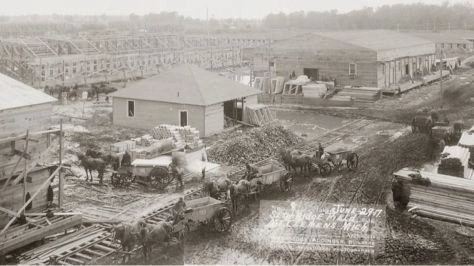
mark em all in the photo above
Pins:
pixel 253 145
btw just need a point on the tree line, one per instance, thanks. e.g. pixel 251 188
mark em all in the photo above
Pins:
pixel 399 16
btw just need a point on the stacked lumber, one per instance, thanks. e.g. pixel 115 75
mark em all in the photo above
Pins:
pixel 314 90
pixel 69 244
pixel 361 94
pixel 467 139
pixel 123 146
pixel 341 98
pixel 259 114
pixel 19 236
pixel 277 85
pixel 445 198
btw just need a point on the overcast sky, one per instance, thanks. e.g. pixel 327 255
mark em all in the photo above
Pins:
pixel 249 9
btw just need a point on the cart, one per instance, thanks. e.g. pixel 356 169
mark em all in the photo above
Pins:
pixel 271 172
pixel 152 173
pixel 206 211
pixel 339 155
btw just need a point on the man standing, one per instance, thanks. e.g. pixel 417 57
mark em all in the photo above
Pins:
pixel 178 210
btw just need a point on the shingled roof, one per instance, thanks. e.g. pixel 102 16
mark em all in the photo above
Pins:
pixel 16 94
pixel 186 84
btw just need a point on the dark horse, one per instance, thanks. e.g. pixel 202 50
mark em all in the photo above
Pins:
pixel 92 164
pixel 295 159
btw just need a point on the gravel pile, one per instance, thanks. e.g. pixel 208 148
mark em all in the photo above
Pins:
pixel 252 146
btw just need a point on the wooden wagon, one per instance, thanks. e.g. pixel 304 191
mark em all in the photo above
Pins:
pixel 154 173
pixel 206 211
pixel 271 172
pixel 341 154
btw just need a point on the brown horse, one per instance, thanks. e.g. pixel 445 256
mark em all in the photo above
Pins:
pixel 152 235
pixel 92 164
pixel 128 236
pixel 294 159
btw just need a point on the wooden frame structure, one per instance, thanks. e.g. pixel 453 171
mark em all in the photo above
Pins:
pixel 23 176
pixel 70 60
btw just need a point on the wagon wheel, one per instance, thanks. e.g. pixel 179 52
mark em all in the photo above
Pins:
pixel 353 162
pixel 325 169
pixel 222 220
pixel 159 177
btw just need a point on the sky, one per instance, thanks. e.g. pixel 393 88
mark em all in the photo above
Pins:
pixel 247 9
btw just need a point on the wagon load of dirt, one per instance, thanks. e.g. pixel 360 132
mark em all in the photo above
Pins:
pixel 452 167
pixel 252 146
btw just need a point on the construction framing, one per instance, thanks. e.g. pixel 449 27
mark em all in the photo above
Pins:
pixel 70 60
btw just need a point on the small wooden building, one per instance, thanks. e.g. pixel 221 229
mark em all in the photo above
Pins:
pixel 184 95
pixel 22 108
pixel 371 58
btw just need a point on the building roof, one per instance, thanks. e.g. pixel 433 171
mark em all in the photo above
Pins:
pixel 377 40
pixel 311 42
pixel 186 84
pixel 444 37
pixel 16 94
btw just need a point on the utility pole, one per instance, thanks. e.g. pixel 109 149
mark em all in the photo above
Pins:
pixel 61 181
pixel 25 174
pixel 441 77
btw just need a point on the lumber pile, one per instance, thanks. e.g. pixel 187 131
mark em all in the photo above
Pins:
pixel 361 94
pixel 19 236
pixel 68 245
pixel 252 146
pixel 259 114
pixel 314 90
pixel 445 198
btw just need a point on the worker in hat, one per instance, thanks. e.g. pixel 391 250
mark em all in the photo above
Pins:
pixel 178 210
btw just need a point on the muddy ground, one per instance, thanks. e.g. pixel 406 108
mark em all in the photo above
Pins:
pixel 409 240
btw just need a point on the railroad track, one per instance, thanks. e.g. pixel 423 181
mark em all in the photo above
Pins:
pixel 100 244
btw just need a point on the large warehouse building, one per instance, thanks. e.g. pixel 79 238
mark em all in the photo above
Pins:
pixel 375 58
pixel 184 95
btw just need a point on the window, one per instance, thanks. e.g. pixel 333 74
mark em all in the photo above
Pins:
pixel 352 70
pixel 465 46
pixel 131 108
pixel 183 118
pixel 442 45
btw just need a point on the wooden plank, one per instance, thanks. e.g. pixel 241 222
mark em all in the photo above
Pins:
pixel 80 262
pixel 31 236
pixel 81 255
pixel 22 136
pixel 93 252
pixel 104 248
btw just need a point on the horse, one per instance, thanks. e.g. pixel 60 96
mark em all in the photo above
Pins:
pixel 422 124
pixel 294 159
pixel 155 234
pixel 239 191
pixel 91 164
pixel 94 153
pixel 127 234
pixel 216 187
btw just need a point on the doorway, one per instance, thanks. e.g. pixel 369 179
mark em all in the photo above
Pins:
pixel 183 118
pixel 311 73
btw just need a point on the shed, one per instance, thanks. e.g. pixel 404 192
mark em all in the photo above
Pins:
pixel 184 95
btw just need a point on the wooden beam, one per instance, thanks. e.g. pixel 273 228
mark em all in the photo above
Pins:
pixel 22 154
pixel 23 136
pixel 31 199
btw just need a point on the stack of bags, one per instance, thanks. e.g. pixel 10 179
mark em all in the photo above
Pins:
pixel 123 146
pixel 361 94
pixel 183 136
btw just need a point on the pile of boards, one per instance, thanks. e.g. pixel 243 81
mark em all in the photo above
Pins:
pixel 68 245
pixel 37 228
pixel 446 198
pixel 269 86
pixel 361 94
pixel 259 114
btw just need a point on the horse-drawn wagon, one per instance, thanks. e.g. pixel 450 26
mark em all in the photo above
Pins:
pixel 271 172
pixel 155 173
pixel 338 155
pixel 205 211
